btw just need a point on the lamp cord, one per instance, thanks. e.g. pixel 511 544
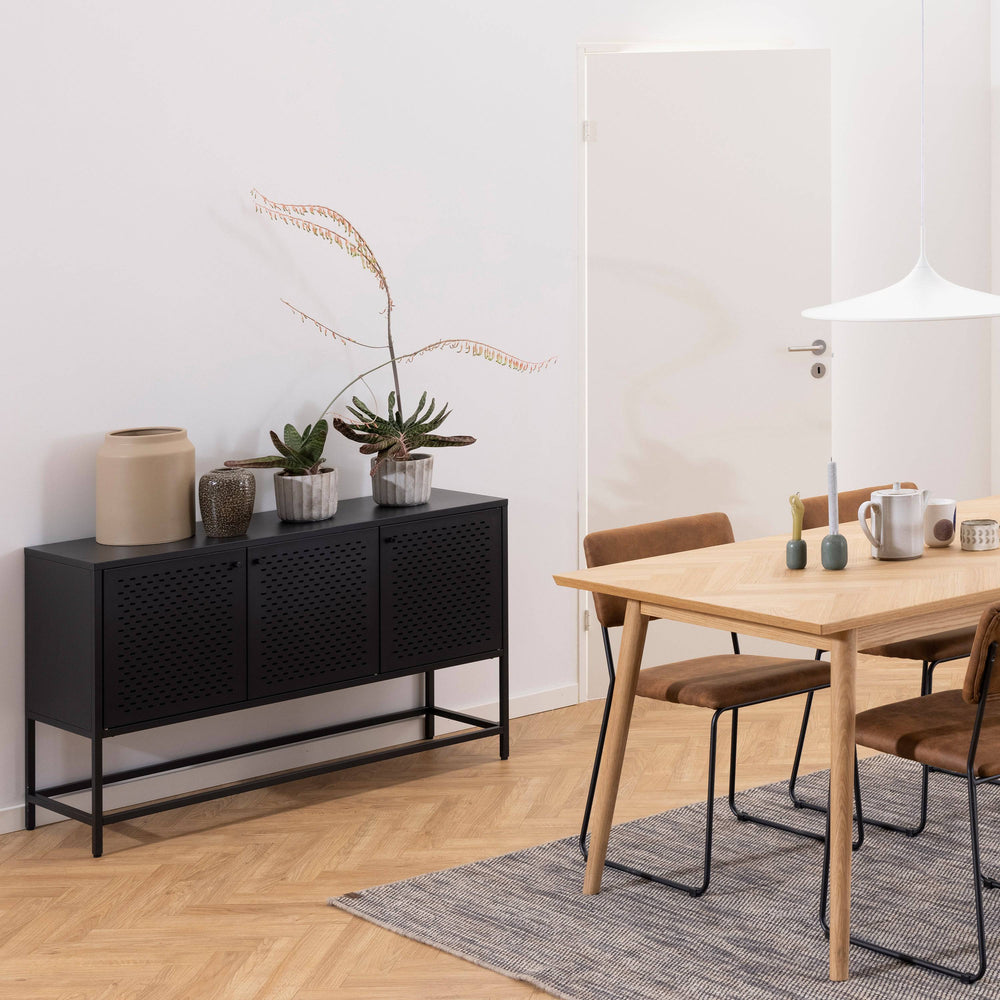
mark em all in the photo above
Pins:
pixel 923 223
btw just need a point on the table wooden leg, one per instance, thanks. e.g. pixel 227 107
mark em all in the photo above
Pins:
pixel 629 660
pixel 843 669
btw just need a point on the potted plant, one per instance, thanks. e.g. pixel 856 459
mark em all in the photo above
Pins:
pixel 304 490
pixel 398 470
pixel 401 475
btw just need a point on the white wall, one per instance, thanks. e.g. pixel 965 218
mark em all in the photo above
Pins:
pixel 140 288
pixel 912 400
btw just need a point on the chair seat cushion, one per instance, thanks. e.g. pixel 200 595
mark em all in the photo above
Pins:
pixel 724 681
pixel 943 646
pixel 933 730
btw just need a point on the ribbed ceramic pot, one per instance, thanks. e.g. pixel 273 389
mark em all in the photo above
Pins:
pixel 145 486
pixel 402 484
pixel 306 498
pixel 226 497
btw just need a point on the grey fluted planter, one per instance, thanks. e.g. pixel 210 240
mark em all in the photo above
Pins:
pixel 306 498
pixel 402 484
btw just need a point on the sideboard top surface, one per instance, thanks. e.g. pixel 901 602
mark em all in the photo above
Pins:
pixel 359 512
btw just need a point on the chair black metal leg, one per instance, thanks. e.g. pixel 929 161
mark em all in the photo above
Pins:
pixel 597 767
pixel 746 817
pixel 979 882
pixel 693 890
pixel 800 803
pixel 796 801
pixel 927 676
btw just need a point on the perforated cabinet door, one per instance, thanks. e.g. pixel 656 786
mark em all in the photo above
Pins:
pixel 174 638
pixel 442 589
pixel 313 612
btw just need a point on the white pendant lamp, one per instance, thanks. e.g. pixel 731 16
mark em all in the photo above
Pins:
pixel 923 294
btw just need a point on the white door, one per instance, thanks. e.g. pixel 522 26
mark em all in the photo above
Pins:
pixel 708 231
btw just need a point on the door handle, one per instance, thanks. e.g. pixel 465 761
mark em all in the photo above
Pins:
pixel 817 347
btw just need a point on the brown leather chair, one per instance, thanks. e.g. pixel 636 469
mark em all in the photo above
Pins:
pixel 724 683
pixel 930 650
pixel 955 732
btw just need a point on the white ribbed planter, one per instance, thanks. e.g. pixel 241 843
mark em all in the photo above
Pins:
pixel 402 484
pixel 306 498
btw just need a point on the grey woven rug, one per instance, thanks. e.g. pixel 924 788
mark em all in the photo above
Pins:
pixel 754 934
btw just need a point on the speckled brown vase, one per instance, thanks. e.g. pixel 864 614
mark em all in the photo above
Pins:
pixel 226 497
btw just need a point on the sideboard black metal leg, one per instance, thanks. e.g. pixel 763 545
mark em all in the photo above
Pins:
pixel 504 708
pixel 97 796
pixel 29 773
pixel 429 705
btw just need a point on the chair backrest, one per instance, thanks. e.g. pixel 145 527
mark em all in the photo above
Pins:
pixel 818 510
pixel 987 632
pixel 639 541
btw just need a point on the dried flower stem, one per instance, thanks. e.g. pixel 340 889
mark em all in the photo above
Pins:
pixel 350 240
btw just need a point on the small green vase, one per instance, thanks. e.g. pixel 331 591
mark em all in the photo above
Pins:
pixel 833 552
pixel 795 553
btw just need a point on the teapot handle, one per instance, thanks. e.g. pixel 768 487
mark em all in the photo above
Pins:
pixel 876 509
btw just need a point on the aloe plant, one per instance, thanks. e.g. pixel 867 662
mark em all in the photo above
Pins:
pixel 394 437
pixel 298 454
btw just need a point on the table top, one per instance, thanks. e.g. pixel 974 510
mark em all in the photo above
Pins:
pixel 749 581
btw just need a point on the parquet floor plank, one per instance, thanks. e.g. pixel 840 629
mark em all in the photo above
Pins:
pixel 227 901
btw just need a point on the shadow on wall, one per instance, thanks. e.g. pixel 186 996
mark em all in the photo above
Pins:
pixel 69 477
pixel 621 503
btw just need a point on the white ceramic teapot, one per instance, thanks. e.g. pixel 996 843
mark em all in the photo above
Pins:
pixel 897 530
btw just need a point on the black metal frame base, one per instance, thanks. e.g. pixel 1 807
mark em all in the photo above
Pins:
pixel 741 815
pixel 979 880
pixel 98 818
pixel 926 687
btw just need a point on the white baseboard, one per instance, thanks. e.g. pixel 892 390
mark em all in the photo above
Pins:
pixel 192 779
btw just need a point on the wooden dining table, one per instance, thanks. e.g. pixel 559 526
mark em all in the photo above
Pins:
pixel 745 587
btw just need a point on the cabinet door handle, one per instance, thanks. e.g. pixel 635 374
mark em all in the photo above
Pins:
pixel 235 565
pixel 254 562
pixel 389 538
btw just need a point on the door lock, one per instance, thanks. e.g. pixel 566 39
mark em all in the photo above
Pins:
pixel 818 370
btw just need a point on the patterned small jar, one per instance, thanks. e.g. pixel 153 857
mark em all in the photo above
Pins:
pixel 980 535
pixel 226 497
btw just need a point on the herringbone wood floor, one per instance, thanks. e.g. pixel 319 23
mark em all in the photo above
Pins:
pixel 228 899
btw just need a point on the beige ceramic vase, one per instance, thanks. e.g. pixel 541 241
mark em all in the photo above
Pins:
pixel 145 486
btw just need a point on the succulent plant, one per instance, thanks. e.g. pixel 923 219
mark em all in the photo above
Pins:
pixel 298 454
pixel 394 437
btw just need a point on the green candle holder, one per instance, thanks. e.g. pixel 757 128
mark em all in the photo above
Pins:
pixel 795 553
pixel 833 552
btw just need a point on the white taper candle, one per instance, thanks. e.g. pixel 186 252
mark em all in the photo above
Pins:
pixel 831 486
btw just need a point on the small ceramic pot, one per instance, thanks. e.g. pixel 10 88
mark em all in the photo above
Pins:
pixel 306 498
pixel 980 535
pixel 225 497
pixel 402 484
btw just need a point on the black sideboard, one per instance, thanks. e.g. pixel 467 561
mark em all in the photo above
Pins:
pixel 120 639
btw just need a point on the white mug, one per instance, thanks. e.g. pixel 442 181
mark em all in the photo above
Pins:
pixel 939 522
pixel 897 530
